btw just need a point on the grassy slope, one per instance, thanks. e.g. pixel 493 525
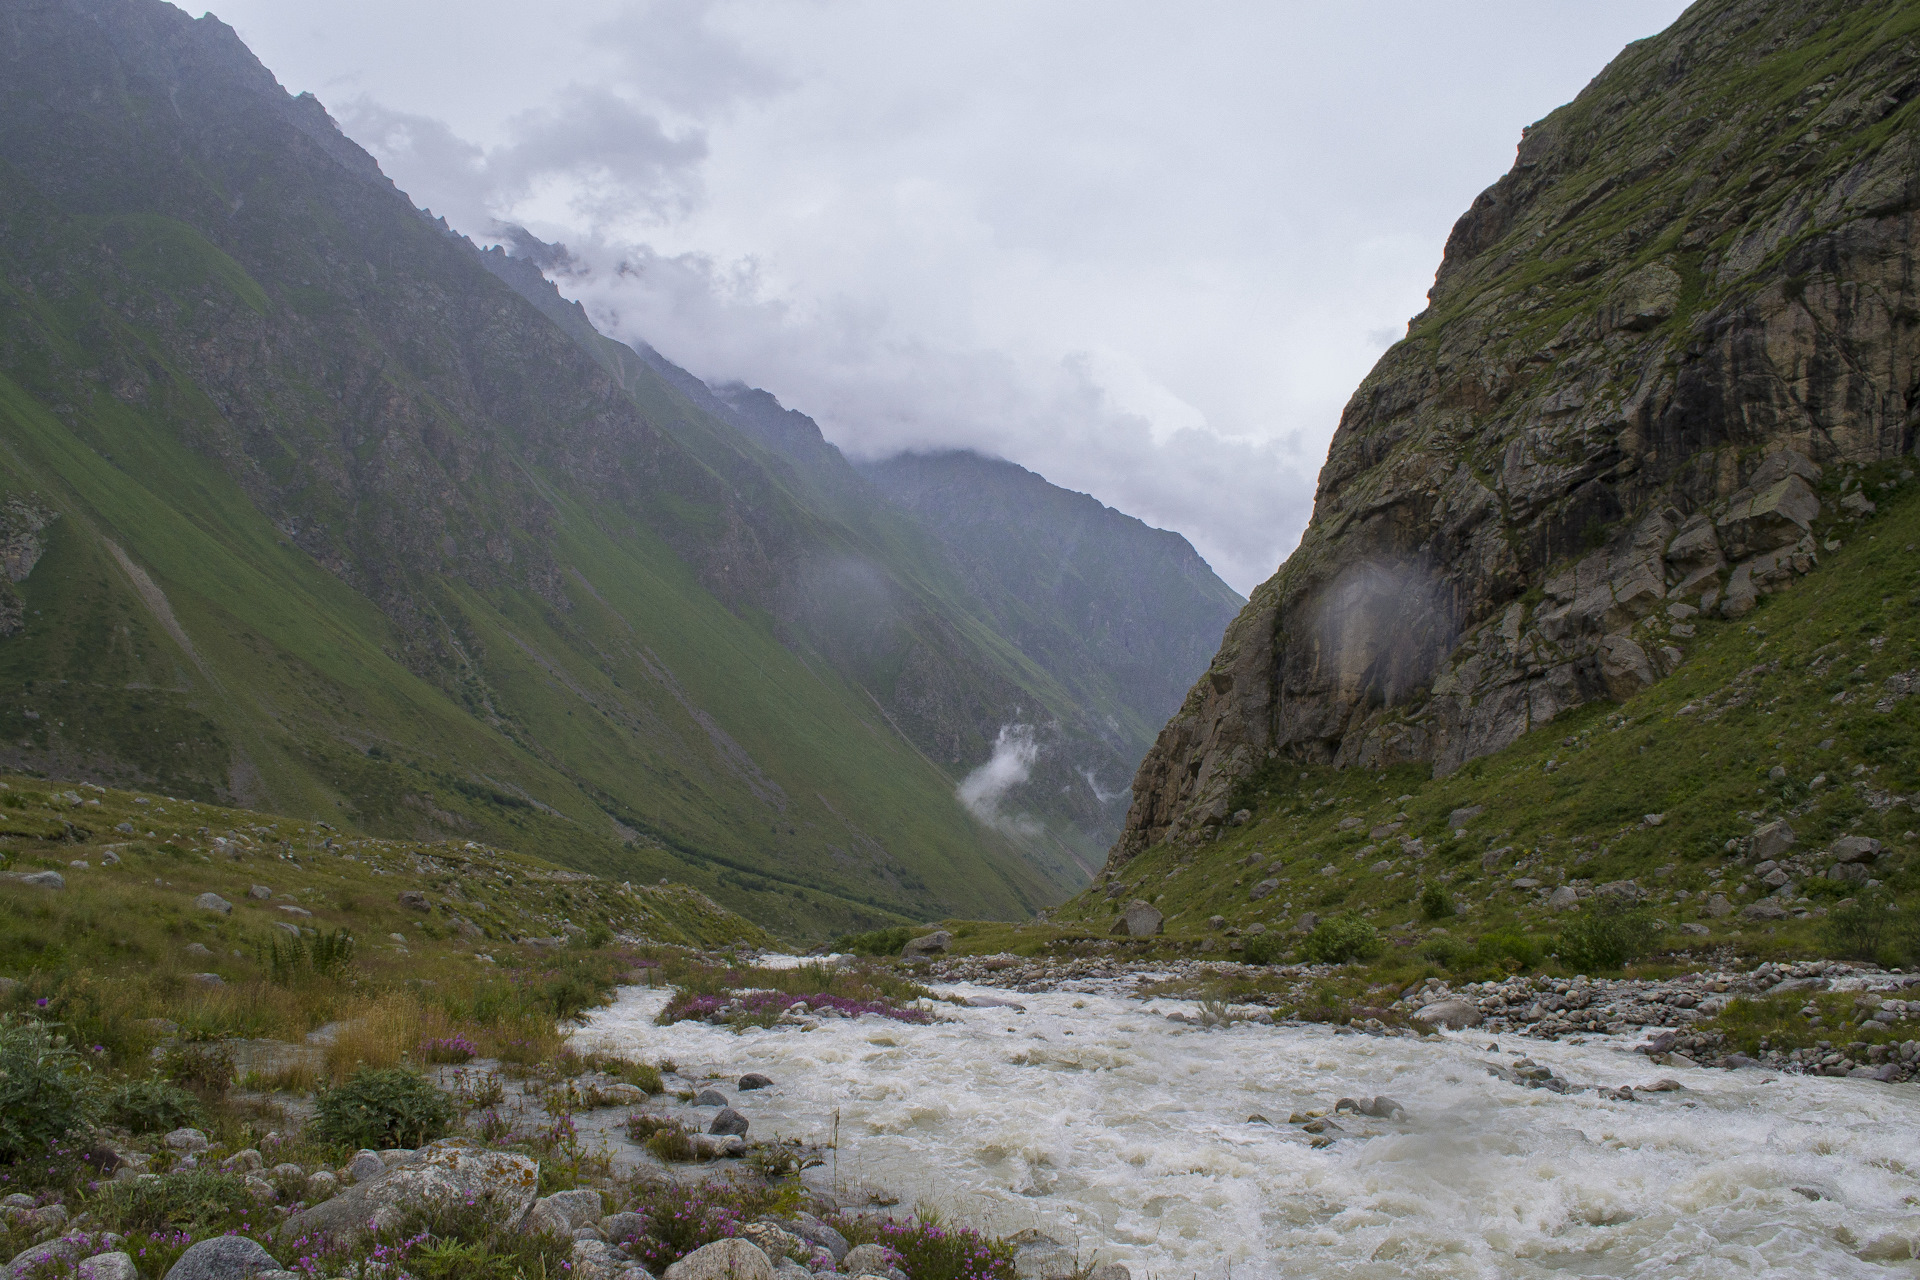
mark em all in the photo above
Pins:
pixel 296 678
pixel 1568 802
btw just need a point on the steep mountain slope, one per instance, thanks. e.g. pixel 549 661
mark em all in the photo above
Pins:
pixel 1079 586
pixel 307 509
pixel 1689 302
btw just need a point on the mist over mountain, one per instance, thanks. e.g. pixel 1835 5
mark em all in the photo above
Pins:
pixel 308 508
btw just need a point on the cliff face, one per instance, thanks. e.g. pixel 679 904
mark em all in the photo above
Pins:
pixel 1691 299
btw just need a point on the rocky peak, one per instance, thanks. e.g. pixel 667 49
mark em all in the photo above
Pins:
pixel 1690 297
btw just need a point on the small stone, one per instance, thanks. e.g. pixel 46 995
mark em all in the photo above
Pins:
pixel 207 979
pixel 1765 909
pixel 414 900
pixel 1261 890
pixel 1563 899
pixel 213 902
pixel 247 1161
pixel 753 1080
pixel 259 893
pixel 710 1098
pixel 197 949
pixel 191 1141
pixel 728 1121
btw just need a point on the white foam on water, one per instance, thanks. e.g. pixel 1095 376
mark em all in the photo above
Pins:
pixel 1095 1119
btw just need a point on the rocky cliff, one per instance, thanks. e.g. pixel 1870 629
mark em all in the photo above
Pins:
pixel 1653 350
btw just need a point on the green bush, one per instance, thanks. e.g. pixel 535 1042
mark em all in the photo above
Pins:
pixel 1508 949
pixel 150 1106
pixel 1264 948
pixel 293 958
pixel 1343 938
pixel 1606 934
pixel 195 1201
pixel 929 1249
pixel 41 1099
pixel 382 1108
pixel 1869 929
pixel 1435 903
pixel 881 942
pixel 1443 950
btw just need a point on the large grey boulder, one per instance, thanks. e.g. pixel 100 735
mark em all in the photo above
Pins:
pixel 933 943
pixel 450 1171
pixel 723 1260
pixel 223 1258
pixel 1772 840
pixel 1855 849
pixel 1454 1015
pixel 1139 920
pixel 108 1266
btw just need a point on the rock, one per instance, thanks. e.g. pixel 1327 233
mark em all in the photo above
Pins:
pixel 213 902
pixel 41 1259
pixel 207 979
pixel 1773 840
pixel 1262 889
pixel 1382 1107
pixel 1216 923
pixel 261 1190
pixel 620 1227
pixel 1307 923
pixel 223 1258
pixel 867 1259
pixel 775 1241
pixel 444 1173
pixel 1848 849
pixel 414 900
pixel 1765 909
pixel 1110 1271
pixel 710 1098
pixel 811 1229
pixel 994 1002
pixel 320 1186
pixel 298 913
pixel 41 879
pixel 259 893
pixel 1139 920
pixel 934 943
pixel 189 1141
pixel 364 1165
pixel 109 1266
pixel 562 1212
pixel 596 1260
pixel 728 1121
pixel 723 1260
pixel 247 1161
pixel 709 1146
pixel 1717 906
pixel 1696 930
pixel 753 1080
pixel 1564 898
pixel 1454 1015
pixel 197 949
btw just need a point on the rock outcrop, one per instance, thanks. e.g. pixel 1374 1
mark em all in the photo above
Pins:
pixel 1653 351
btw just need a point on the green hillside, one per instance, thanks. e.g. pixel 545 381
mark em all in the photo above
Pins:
pixel 309 511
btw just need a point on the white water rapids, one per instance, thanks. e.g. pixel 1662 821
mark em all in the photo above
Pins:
pixel 1095 1119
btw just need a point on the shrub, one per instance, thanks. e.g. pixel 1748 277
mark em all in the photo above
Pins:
pixel 40 1089
pixel 927 1249
pixel 454 1048
pixel 1435 903
pixel 1865 930
pixel 292 958
pixel 1264 948
pixel 195 1200
pixel 594 936
pixel 202 1065
pixel 1343 938
pixel 381 1108
pixel 1443 950
pixel 1606 934
pixel 682 1217
pixel 881 942
pixel 1508 949
pixel 150 1106
pixel 667 1139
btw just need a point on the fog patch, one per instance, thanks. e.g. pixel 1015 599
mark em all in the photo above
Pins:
pixel 1015 752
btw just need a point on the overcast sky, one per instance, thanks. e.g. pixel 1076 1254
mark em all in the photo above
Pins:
pixel 1146 249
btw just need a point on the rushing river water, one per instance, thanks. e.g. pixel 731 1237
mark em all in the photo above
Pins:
pixel 1116 1131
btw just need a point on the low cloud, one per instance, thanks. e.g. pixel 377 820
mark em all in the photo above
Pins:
pixel 983 791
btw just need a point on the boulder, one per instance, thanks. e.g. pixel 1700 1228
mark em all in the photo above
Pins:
pixel 1564 898
pixel 754 1080
pixel 723 1260
pixel 42 1259
pixel 320 1186
pixel 814 1231
pixel 414 900
pixel 446 1172
pixel 1855 849
pixel 1453 1015
pixel 1718 906
pixel 727 1122
pixel 1110 1271
pixel 1261 890
pixel 1139 920
pixel 213 902
pixel 563 1212
pixel 189 1141
pixel 259 893
pixel 596 1260
pixel 621 1227
pixel 866 1260
pixel 1848 872
pixel 108 1266
pixel 223 1258
pixel 710 1098
pixel 1765 909
pixel 934 943
pixel 364 1165
pixel 776 1242
pixel 38 879
pixel 1773 840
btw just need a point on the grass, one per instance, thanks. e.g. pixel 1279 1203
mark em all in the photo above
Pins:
pixel 756 997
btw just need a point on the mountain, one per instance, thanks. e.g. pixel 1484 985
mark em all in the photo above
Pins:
pixel 307 503
pixel 1659 354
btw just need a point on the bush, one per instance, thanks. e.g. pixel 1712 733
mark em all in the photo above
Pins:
pixel 1435 903
pixel 205 1066
pixel 1264 948
pixel 1343 938
pixel 1508 949
pixel 40 1089
pixel 451 1049
pixel 1606 934
pixel 927 1249
pixel 292 958
pixel 881 942
pixel 382 1108
pixel 1443 950
pixel 1869 929
pixel 682 1217
pixel 196 1200
pixel 150 1106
